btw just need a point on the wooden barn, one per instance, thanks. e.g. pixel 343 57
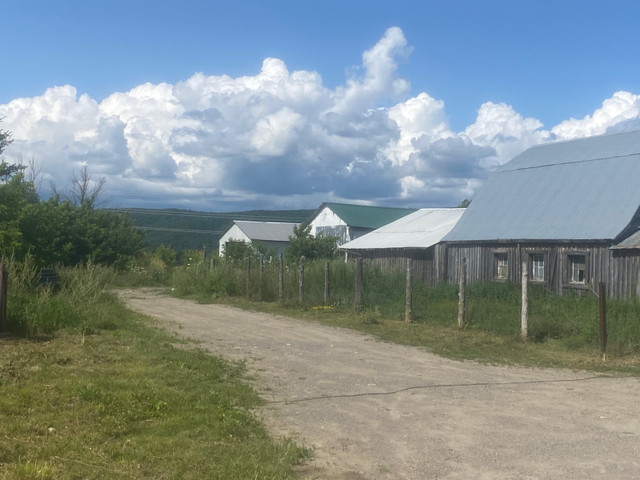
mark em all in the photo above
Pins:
pixel 415 236
pixel 272 235
pixel 348 222
pixel 570 210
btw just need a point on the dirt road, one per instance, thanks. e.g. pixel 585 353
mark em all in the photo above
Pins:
pixel 373 410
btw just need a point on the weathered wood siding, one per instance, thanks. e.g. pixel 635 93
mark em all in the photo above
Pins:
pixel 619 270
pixel 422 266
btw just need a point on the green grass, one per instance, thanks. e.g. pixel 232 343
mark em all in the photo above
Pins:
pixel 563 331
pixel 96 391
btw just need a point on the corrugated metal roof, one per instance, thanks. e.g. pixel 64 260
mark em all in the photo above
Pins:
pixel 585 189
pixel 420 229
pixel 632 242
pixel 266 231
pixel 365 216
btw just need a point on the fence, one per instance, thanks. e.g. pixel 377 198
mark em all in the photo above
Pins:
pixel 503 308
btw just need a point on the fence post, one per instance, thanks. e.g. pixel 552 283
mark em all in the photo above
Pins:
pixel 524 321
pixel 3 297
pixel 327 281
pixel 409 294
pixel 248 286
pixel 280 277
pixel 602 304
pixel 301 281
pixel 260 279
pixel 357 296
pixel 462 294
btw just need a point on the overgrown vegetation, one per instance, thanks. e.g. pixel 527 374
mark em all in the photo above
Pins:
pixel 563 331
pixel 95 392
pixel 61 231
pixel 303 244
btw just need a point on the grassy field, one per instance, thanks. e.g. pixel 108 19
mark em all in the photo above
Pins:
pixel 110 396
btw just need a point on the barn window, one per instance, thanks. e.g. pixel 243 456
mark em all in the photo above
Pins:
pixel 577 269
pixel 502 265
pixel 537 267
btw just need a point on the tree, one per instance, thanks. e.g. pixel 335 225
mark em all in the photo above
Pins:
pixel 238 250
pixel 7 171
pixel 5 140
pixel 15 194
pixel 303 244
pixel 464 204
pixel 84 190
pixel 59 232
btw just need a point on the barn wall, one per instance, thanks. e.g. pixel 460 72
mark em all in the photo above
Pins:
pixel 422 266
pixel 619 270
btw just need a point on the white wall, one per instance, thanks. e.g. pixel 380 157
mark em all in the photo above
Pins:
pixel 234 233
pixel 326 218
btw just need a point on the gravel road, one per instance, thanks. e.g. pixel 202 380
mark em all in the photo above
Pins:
pixel 374 410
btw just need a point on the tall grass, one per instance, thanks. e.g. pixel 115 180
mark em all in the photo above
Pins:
pixel 493 308
pixel 34 309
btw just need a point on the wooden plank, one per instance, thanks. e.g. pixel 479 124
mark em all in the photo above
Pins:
pixel 408 293
pixel 301 281
pixel 462 299
pixel 524 318
pixel 357 297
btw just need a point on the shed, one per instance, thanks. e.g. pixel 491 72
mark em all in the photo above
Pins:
pixel 559 208
pixel 273 236
pixel 348 222
pixel 415 236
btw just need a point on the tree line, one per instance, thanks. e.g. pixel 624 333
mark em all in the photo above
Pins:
pixel 64 229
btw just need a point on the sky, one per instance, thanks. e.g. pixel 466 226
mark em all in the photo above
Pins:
pixel 227 106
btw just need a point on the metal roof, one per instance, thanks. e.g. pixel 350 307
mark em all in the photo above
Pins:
pixel 632 242
pixel 266 231
pixel 420 229
pixel 585 189
pixel 365 216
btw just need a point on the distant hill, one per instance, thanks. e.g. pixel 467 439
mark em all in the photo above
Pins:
pixel 190 230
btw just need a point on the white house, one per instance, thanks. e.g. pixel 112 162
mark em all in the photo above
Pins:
pixel 348 222
pixel 272 235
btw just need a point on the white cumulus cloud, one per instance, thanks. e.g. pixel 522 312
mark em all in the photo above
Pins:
pixel 281 139
pixel 622 108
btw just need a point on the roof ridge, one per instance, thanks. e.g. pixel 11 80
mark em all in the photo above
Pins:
pixel 573 162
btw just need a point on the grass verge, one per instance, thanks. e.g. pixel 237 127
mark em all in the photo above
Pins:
pixel 122 401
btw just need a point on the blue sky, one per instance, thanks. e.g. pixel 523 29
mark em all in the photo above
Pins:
pixel 451 90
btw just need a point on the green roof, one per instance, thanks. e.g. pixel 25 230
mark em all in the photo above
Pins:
pixel 366 216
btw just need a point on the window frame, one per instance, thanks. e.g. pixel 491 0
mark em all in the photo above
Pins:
pixel 532 267
pixel 568 270
pixel 499 255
